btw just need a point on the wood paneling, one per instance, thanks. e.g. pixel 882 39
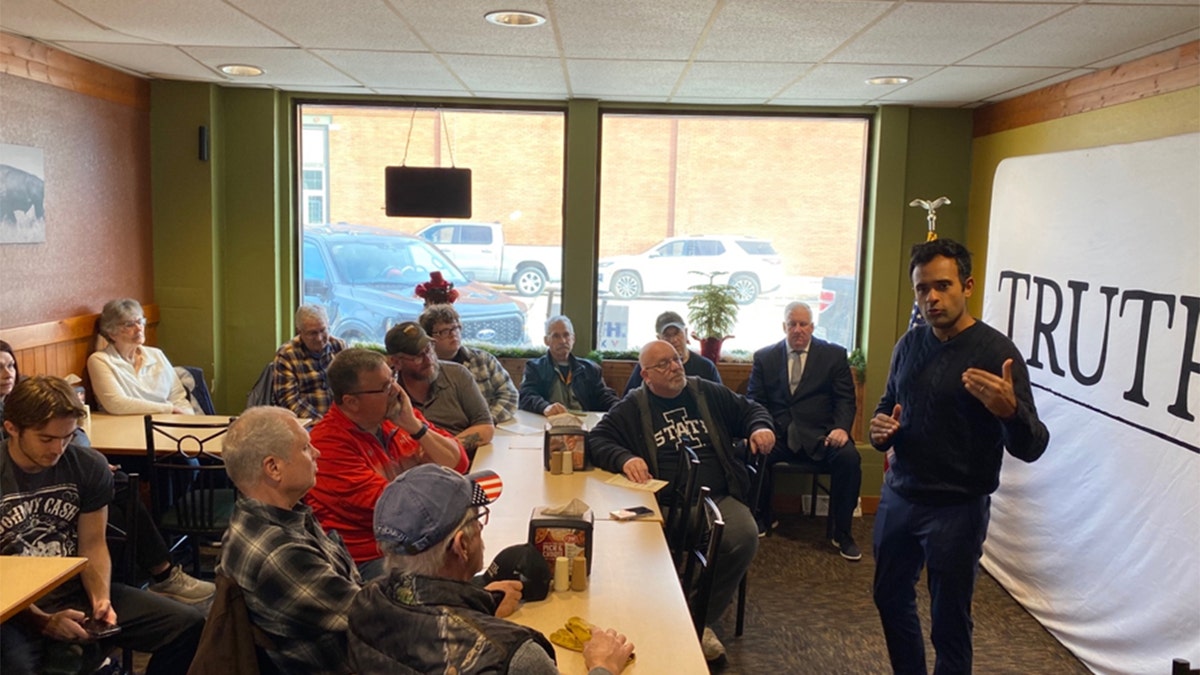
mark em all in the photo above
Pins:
pixel 62 347
pixel 31 60
pixel 1161 73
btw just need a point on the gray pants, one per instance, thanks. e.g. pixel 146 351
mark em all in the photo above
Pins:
pixel 739 543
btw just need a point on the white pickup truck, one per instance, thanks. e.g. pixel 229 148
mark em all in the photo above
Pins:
pixel 479 250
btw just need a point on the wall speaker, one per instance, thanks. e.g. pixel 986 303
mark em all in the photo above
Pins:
pixel 203 143
pixel 428 192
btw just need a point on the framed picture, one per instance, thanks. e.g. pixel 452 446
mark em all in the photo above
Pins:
pixel 22 195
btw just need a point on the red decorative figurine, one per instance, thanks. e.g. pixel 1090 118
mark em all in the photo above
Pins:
pixel 437 290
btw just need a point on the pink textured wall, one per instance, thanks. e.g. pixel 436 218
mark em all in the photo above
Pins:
pixel 97 163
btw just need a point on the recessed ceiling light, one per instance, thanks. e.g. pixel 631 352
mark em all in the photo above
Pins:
pixel 240 70
pixel 515 18
pixel 889 79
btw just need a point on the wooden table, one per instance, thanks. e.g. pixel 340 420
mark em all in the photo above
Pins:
pixel 25 579
pixel 126 434
pixel 526 482
pixel 632 589
pixel 526 422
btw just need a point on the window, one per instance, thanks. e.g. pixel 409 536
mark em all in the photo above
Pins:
pixel 771 205
pixel 512 245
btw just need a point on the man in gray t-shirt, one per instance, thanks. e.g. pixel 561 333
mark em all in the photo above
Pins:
pixel 443 391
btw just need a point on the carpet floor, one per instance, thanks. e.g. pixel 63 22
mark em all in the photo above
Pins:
pixel 810 611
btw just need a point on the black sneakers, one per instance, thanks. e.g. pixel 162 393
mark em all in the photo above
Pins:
pixel 847 548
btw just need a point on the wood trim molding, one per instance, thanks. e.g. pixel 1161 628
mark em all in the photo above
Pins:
pixel 1173 70
pixel 64 330
pixel 25 58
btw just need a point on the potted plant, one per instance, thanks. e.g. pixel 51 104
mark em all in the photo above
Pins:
pixel 712 312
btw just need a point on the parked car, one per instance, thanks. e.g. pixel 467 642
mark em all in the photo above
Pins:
pixel 752 266
pixel 479 250
pixel 835 310
pixel 365 277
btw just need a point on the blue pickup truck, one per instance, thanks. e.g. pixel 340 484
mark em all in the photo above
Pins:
pixel 366 276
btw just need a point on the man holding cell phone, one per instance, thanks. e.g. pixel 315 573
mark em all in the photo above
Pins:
pixel 54 498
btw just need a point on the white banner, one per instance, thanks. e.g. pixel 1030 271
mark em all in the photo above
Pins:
pixel 1092 270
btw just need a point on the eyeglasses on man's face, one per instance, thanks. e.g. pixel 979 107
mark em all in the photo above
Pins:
pixel 382 390
pixel 425 355
pixel 455 329
pixel 481 517
pixel 664 366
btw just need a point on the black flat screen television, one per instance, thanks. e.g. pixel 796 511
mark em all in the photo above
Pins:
pixel 428 192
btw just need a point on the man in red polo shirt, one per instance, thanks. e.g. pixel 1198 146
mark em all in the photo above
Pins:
pixel 370 435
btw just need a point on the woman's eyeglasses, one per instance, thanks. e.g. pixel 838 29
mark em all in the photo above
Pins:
pixel 140 321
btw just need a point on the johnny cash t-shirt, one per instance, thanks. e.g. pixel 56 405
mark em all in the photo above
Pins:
pixel 39 512
pixel 674 420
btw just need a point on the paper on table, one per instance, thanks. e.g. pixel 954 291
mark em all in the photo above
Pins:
pixel 519 429
pixel 652 485
pixel 526 442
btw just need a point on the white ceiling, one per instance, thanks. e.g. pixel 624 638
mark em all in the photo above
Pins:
pixel 782 52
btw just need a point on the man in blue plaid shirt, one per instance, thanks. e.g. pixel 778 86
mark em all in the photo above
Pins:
pixel 441 323
pixel 300 365
pixel 298 583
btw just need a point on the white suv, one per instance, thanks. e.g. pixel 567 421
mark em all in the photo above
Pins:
pixel 748 264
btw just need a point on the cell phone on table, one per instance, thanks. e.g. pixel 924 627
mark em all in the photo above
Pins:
pixel 98 630
pixel 632 512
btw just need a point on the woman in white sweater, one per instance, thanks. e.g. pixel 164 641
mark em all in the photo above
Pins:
pixel 129 378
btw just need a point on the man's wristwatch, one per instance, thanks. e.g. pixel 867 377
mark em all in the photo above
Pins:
pixel 420 432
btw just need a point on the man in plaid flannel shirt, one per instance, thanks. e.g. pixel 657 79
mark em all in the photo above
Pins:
pixel 298 583
pixel 300 365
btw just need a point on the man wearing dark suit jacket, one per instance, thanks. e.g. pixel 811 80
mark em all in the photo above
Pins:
pixel 806 385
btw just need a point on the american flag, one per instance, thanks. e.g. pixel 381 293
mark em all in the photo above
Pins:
pixel 487 486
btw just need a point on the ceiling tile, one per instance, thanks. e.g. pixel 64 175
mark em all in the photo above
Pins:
pixel 591 78
pixel 1147 50
pixel 1083 36
pixel 383 69
pixel 848 81
pixel 759 81
pixel 179 22
pixel 169 62
pixel 960 85
pixel 458 27
pixel 51 22
pixel 510 75
pixel 283 67
pixel 786 30
pixel 363 24
pixel 940 32
pixel 632 29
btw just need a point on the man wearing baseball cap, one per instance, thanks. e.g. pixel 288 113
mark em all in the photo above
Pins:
pixel 670 328
pixel 426 615
pixel 445 392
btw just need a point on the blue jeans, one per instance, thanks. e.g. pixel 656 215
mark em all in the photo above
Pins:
pixel 949 541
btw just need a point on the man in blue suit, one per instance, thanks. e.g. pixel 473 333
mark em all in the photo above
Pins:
pixel 806 385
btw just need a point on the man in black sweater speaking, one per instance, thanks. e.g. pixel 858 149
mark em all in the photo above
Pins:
pixel 957 395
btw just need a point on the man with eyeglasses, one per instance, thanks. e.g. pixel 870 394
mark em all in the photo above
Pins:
pixel 54 497
pixel 427 616
pixel 300 382
pixel 806 384
pixel 640 438
pixel 669 327
pixel 442 323
pixel 443 391
pixel 559 381
pixel 370 435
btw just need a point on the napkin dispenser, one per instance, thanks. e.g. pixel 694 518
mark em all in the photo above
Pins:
pixel 559 531
pixel 566 439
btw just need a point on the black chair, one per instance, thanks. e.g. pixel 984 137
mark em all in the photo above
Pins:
pixel 126 539
pixel 685 492
pixel 702 556
pixel 755 466
pixel 797 467
pixel 191 497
